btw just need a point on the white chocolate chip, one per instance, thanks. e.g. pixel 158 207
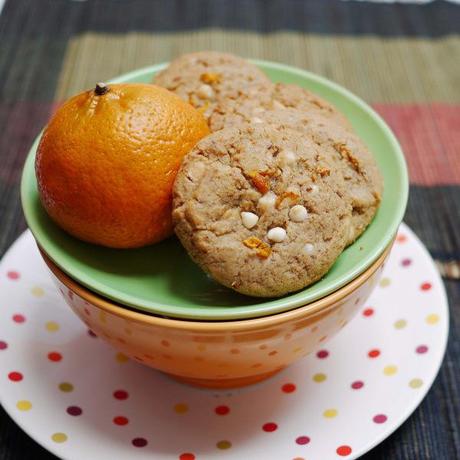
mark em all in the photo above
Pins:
pixel 276 234
pixel 298 213
pixel 308 249
pixel 267 201
pixel 249 219
pixel 287 157
pixel 257 120
pixel 205 92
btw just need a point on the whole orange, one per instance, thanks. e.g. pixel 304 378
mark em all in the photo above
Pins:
pixel 107 161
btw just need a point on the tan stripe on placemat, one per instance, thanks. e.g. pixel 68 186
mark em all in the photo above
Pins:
pixel 389 70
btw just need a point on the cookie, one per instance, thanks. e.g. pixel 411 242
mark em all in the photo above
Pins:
pixel 293 96
pixel 254 207
pixel 362 184
pixel 207 78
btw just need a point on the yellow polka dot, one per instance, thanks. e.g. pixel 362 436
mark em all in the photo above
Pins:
pixel 37 291
pixel 102 317
pixel 400 324
pixel 297 350
pixel 181 408
pixel 416 383
pixel 319 378
pixel 66 387
pixel 384 282
pixel 224 445
pixel 390 370
pixel 330 413
pixel 121 358
pixel 51 326
pixel 59 437
pixel 24 405
pixel 432 319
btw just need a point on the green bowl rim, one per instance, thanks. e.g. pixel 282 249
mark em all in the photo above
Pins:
pixel 272 306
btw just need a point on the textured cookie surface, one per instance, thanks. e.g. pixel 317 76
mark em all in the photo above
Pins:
pixel 362 184
pixel 255 208
pixel 207 78
pixel 282 96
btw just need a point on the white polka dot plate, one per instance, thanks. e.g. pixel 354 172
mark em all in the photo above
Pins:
pixel 79 399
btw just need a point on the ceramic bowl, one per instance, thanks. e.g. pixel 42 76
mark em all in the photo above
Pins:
pixel 162 280
pixel 220 354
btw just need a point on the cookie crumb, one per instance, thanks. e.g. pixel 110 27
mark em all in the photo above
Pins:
pixel 291 196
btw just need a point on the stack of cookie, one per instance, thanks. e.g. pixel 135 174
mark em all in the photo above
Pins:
pixel 269 200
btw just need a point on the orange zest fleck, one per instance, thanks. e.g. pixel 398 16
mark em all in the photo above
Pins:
pixel 291 196
pixel 259 181
pixel 210 78
pixel 346 154
pixel 263 250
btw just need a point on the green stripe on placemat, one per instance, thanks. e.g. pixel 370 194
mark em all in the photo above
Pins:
pixel 383 71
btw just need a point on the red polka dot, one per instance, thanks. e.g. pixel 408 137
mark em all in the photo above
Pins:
pixel 87 312
pixel 406 262
pixel 288 388
pixel 368 312
pixel 302 440
pixel 120 394
pixel 269 427
pixel 421 349
pixel 91 333
pixel 120 420
pixel 343 451
pixel 3 345
pixel 15 376
pixel 322 354
pixel 401 238
pixel 19 318
pixel 380 418
pixel 357 384
pixel 139 442
pixel 75 411
pixel 374 353
pixel 54 356
pixel 186 456
pixel 222 410
pixel 13 275
pixel 425 286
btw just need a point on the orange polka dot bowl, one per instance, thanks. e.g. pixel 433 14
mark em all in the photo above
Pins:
pixel 218 354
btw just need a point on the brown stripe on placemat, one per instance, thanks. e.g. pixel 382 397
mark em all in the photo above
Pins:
pixel 421 70
pixel 449 270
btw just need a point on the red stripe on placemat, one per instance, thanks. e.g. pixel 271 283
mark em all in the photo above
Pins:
pixel 430 137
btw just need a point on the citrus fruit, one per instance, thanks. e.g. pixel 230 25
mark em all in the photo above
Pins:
pixel 107 161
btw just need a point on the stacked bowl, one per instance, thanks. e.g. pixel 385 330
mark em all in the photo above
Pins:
pixel 157 307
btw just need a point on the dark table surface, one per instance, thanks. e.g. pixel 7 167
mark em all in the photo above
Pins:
pixel 401 58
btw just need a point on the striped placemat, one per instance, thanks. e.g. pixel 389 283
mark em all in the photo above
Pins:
pixel 403 58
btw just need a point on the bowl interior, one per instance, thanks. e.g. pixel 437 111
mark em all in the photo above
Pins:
pixel 161 279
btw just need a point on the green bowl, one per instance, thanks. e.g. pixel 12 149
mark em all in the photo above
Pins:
pixel 161 279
